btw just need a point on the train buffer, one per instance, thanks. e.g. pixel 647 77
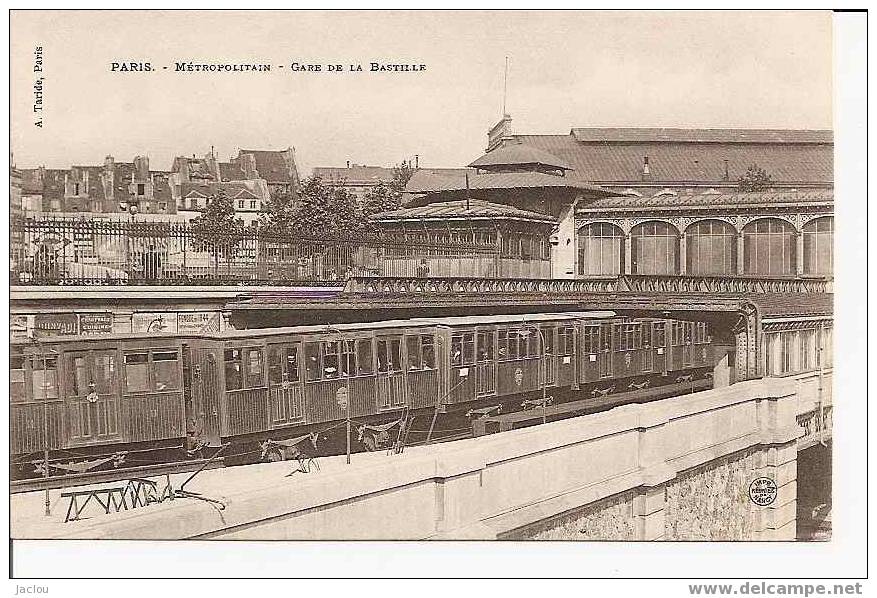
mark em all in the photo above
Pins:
pixel 490 424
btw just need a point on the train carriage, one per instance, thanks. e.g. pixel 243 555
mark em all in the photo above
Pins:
pixel 152 392
pixel 110 391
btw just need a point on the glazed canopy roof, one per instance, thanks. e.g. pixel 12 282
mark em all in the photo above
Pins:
pixel 474 209
pixel 501 180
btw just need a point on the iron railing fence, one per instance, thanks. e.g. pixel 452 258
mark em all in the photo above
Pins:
pixel 142 253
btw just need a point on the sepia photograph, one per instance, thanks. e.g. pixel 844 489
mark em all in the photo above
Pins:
pixel 525 276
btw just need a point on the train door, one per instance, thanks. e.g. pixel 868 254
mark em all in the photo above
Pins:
pixel 648 352
pixel 206 397
pixel 285 384
pixel 659 342
pixel 92 402
pixel 549 362
pixel 485 368
pixel 391 372
pixel 687 344
pixel 605 357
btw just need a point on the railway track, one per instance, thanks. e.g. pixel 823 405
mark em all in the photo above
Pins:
pixel 111 475
pixel 596 405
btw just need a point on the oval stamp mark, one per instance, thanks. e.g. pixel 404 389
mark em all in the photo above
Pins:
pixel 763 491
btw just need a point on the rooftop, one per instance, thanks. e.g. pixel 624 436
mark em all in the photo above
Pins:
pixel 474 209
pixel 671 135
pixel 501 180
pixel 597 156
pixel 519 154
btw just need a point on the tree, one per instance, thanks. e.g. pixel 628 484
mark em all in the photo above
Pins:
pixel 318 210
pixel 387 196
pixel 280 214
pixel 217 225
pixel 755 179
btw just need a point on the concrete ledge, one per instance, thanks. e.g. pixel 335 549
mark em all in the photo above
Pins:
pixel 487 486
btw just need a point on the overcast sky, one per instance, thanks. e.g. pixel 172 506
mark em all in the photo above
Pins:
pixel 671 69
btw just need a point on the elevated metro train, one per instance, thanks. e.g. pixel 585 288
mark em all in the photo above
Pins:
pixel 140 394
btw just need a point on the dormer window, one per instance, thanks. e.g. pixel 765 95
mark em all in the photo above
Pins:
pixel 141 189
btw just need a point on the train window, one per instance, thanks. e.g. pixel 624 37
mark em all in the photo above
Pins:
pixel 233 375
pixel 660 335
pixel 646 331
pixel 166 374
pixel 502 344
pixel 677 334
pixel 514 342
pixel 530 341
pixel 463 348
pixel 469 348
pixel 389 355
pixel 590 340
pixel 137 372
pixel 312 361
pixel 104 366
pixel 421 352
pixel 17 377
pixel 412 343
pixel 548 341
pixel 348 358
pixel 330 360
pixel 254 368
pixel 283 364
pixel 44 378
pixel 275 365
pixel 80 378
pixel 485 346
pixel 567 340
pixel 364 357
pixel 428 346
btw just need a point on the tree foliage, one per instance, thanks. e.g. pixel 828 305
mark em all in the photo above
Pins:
pixel 317 210
pixel 755 179
pixel 323 210
pixel 387 196
pixel 217 223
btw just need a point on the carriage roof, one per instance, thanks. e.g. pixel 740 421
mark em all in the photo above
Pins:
pixel 451 322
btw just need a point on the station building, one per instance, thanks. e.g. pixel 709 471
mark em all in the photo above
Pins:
pixel 662 202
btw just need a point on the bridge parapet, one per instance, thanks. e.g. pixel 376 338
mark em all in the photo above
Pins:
pixel 676 469
pixel 815 407
pixel 723 284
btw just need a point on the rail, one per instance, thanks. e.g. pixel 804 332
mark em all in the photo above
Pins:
pixel 112 475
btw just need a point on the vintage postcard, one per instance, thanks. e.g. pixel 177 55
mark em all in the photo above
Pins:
pixel 422 275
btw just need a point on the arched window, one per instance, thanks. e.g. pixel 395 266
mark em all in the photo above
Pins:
pixel 769 247
pixel 711 248
pixel 654 248
pixel 601 249
pixel 819 246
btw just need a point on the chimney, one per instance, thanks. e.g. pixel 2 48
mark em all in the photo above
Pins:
pixel 348 164
pixel 647 173
pixel 141 168
pixel 212 164
pixel 416 161
pixel 727 175
pixel 248 165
